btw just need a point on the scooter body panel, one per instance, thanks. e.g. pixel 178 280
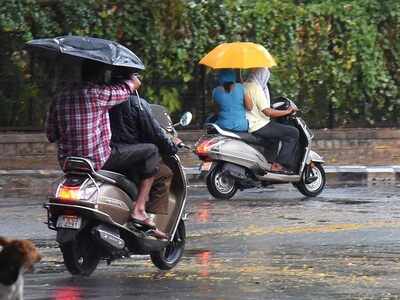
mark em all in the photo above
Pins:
pixel 114 202
pixel 177 198
pixel 237 151
pixel 314 157
pixel 112 205
pixel 240 153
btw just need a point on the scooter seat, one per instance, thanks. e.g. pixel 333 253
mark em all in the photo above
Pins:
pixel 245 136
pixel 251 138
pixel 122 182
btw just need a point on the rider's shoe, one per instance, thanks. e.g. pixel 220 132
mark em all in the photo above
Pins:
pixel 279 169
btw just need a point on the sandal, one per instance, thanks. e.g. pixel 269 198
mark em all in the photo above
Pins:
pixel 146 223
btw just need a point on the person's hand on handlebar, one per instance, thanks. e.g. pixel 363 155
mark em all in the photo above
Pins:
pixel 291 110
pixel 177 141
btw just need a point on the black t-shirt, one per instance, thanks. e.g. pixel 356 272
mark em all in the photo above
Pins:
pixel 133 123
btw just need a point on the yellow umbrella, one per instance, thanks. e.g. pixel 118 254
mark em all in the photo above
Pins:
pixel 238 55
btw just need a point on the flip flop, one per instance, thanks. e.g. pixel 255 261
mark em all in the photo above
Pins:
pixel 159 234
pixel 145 223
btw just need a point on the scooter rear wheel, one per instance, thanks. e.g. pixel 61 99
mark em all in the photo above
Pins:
pixel 167 258
pixel 81 256
pixel 220 185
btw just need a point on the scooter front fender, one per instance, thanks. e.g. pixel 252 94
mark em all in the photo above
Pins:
pixel 65 235
pixel 314 157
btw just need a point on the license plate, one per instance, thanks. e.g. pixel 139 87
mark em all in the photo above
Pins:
pixel 206 166
pixel 72 222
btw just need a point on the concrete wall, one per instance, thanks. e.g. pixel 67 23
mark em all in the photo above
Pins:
pixel 31 151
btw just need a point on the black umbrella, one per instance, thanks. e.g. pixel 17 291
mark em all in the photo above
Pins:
pixel 101 50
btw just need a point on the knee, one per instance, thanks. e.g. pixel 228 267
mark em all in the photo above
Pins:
pixel 152 150
pixel 295 133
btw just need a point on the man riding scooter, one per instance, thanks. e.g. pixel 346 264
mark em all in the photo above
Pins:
pixel 78 122
pixel 134 129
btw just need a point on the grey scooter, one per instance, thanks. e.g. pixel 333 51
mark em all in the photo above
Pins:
pixel 90 209
pixel 233 161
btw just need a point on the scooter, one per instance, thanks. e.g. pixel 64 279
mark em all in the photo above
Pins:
pixel 90 209
pixel 233 161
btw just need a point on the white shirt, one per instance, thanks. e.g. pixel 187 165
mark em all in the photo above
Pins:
pixel 257 119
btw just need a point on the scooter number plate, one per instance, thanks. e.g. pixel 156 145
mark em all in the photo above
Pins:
pixel 206 166
pixel 71 222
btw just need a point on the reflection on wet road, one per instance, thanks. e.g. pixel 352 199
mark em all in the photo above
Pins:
pixel 263 244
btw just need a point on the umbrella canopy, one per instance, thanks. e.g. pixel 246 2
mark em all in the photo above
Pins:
pixel 101 50
pixel 238 55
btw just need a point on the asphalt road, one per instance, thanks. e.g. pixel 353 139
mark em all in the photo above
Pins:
pixel 263 244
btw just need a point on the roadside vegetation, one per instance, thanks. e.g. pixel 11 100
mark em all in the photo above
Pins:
pixel 340 60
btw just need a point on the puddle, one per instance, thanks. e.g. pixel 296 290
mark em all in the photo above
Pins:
pixel 350 202
pixel 195 252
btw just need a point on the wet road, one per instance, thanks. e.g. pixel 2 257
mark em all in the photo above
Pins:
pixel 263 244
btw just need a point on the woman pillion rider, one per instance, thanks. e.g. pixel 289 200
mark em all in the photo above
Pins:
pixel 261 120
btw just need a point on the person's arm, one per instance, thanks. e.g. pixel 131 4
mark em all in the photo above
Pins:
pixel 214 104
pixel 263 103
pixel 274 113
pixel 110 95
pixel 51 125
pixel 248 103
pixel 214 108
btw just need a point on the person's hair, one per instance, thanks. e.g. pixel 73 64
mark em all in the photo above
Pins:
pixel 228 86
pixel 92 71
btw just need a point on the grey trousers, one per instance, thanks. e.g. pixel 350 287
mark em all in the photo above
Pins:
pixel 289 136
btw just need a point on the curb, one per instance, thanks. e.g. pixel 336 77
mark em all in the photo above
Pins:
pixel 340 174
pixel 37 182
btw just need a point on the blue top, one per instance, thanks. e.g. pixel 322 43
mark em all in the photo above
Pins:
pixel 232 114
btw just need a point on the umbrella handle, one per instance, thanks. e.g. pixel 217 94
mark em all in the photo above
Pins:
pixel 140 102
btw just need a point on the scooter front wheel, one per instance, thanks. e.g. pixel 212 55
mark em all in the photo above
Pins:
pixel 167 258
pixel 220 185
pixel 315 187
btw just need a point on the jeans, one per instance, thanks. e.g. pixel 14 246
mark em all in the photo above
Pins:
pixel 288 135
pixel 134 160
pixel 141 161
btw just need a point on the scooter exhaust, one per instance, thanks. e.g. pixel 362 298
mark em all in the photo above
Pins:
pixel 108 237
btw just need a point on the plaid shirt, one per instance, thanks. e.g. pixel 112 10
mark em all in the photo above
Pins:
pixel 78 121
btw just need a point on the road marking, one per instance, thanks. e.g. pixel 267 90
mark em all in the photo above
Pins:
pixel 255 230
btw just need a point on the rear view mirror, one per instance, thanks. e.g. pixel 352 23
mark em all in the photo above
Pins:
pixel 186 119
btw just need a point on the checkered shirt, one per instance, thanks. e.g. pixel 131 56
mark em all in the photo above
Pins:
pixel 78 121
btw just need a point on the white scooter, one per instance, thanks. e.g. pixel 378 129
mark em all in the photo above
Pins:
pixel 233 161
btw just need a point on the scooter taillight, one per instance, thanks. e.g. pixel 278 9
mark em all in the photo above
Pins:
pixel 70 193
pixel 204 147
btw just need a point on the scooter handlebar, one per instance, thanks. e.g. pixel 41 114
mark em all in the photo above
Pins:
pixel 183 145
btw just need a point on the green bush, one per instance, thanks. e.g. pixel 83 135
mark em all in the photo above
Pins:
pixel 338 59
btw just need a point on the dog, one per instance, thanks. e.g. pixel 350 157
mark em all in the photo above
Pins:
pixel 16 257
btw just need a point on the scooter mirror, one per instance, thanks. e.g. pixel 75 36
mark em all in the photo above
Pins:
pixel 186 119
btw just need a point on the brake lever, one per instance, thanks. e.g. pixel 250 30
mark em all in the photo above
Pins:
pixel 183 145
